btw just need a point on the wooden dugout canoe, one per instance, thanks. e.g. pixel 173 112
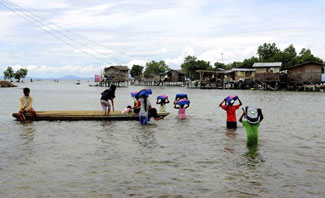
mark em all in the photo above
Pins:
pixel 83 115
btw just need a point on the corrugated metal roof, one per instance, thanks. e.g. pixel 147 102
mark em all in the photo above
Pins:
pixel 243 69
pixel 239 69
pixel 274 64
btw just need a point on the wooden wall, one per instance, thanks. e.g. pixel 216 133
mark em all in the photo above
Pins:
pixel 305 74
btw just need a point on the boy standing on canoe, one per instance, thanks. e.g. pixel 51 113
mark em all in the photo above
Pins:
pixel 25 105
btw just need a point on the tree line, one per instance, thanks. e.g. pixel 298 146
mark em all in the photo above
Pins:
pixel 9 74
pixel 268 52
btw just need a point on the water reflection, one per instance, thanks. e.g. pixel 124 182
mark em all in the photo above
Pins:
pixel 252 157
pixel 146 136
pixel 231 133
pixel 27 132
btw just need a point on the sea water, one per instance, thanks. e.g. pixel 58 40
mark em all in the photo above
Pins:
pixel 196 157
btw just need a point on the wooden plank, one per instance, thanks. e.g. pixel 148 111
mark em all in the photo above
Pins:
pixel 83 115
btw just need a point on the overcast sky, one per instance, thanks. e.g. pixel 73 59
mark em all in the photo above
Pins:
pixel 137 31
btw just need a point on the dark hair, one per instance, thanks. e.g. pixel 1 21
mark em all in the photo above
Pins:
pixel 26 90
pixel 113 87
pixel 128 106
pixel 145 103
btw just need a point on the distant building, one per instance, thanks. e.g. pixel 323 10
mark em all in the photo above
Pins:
pixel 267 72
pixel 240 74
pixel 176 76
pixel 116 73
pixel 309 72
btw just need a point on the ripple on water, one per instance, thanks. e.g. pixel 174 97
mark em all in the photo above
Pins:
pixel 196 157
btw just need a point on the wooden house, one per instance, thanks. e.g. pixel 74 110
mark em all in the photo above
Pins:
pixel 240 74
pixel 308 72
pixel 118 75
pixel 176 76
pixel 267 72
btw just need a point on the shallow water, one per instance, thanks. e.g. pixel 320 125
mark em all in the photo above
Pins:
pixel 196 157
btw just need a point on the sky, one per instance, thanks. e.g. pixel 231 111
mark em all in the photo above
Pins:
pixel 72 37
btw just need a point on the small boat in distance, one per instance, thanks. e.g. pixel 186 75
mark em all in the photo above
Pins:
pixel 84 115
pixel 78 82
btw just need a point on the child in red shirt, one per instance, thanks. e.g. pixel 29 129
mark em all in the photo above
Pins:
pixel 231 112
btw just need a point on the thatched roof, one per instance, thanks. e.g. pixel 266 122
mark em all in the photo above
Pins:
pixel 119 67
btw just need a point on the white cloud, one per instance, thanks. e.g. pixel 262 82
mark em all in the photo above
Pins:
pixel 156 30
pixel 136 62
pixel 41 4
pixel 176 62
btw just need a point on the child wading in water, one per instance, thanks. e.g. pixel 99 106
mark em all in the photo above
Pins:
pixel 253 118
pixel 162 100
pixel 25 105
pixel 181 107
pixel 230 108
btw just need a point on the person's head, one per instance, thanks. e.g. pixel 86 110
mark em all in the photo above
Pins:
pixel 26 91
pixel 113 87
pixel 129 107
pixel 182 106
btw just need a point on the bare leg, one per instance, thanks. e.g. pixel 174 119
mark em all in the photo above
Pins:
pixel 21 116
pixel 33 113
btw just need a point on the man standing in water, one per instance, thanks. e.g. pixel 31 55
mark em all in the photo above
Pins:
pixel 25 105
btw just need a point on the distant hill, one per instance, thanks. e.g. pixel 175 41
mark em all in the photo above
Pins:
pixel 71 77
pixel 68 77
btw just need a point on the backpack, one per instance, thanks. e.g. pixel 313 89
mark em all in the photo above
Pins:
pixel 252 115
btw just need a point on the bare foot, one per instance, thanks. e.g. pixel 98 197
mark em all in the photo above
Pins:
pixel 161 117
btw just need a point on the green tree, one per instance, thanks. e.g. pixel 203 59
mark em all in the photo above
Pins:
pixel 191 64
pixel 157 68
pixel 305 55
pixel 218 65
pixel 136 70
pixel 249 62
pixel 289 56
pixel 9 73
pixel 21 73
pixel 269 53
pixel 235 64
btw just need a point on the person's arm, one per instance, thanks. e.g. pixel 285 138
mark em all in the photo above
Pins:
pixel 29 104
pixel 187 105
pixel 158 102
pixel 262 117
pixel 112 103
pixel 175 107
pixel 241 117
pixel 21 103
pixel 149 104
pixel 167 101
pixel 224 100
pixel 240 103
